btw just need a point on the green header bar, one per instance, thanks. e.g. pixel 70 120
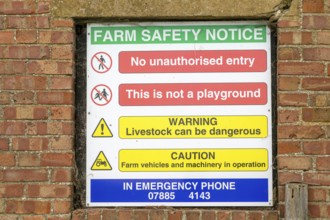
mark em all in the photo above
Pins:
pixel 178 34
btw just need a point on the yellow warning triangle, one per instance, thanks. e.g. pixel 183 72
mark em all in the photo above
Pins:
pixel 102 130
pixel 101 163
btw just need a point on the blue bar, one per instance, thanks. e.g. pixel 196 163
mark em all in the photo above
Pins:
pixel 179 190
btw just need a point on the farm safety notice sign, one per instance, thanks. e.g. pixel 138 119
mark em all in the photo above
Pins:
pixel 179 114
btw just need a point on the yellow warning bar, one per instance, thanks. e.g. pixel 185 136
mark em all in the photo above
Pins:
pixel 154 127
pixel 193 160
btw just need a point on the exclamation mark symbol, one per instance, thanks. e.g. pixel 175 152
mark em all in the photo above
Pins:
pixel 102 129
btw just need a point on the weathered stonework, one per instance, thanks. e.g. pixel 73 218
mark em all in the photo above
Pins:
pixel 166 9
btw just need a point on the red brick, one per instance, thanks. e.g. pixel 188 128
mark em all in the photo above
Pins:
pixel 174 215
pixel 23 82
pixel 288 177
pixel 9 112
pixel 26 36
pixel 7 159
pixel 300 68
pixel 18 7
pixel 61 175
pixel 293 99
pixel 55 98
pixel 281 194
pixel 30 144
pixel 208 215
pixel 24 175
pixel 56 159
pixel 323 163
pixel 12 128
pixel 192 215
pixel 28 160
pixel 271 215
pixel 28 207
pixel 238 215
pixel 224 215
pixel 43 7
pixel 313 6
pixel 322 179
pixel 21 22
pixel 65 68
pixel 2 21
pixel 25 97
pixel 128 213
pixel 317 147
pixel 288 23
pixel 42 22
pixel 296 131
pixel 37 128
pixel 65 128
pixel 42 67
pixel 255 216
pixel 7 37
pixel 61 83
pixel 62 52
pixel 288 53
pixel 24 52
pixel 56 37
pixel 62 207
pixel 111 214
pixel 289 147
pixel 12 67
pixel 316 22
pixel 288 83
pixel 319 100
pixel 27 112
pixel 65 112
pixel 286 116
pixel 316 84
pixel 294 162
pixel 49 191
pixel 61 143
pixel 295 38
pixel 94 214
pixel 316 54
pixel 317 194
pixel 60 22
pixel 11 190
pixel 79 214
pixel 316 114
pixel 323 37
pixel 4 98
pixel 4 144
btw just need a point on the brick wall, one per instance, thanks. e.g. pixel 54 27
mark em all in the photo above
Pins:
pixel 37 116
pixel 37 112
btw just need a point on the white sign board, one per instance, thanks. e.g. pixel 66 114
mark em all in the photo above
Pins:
pixel 179 114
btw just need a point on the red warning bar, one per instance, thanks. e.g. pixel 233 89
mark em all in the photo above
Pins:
pixel 193 94
pixel 191 61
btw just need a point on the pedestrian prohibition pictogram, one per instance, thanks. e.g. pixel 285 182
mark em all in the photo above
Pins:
pixel 102 130
pixel 101 163
pixel 101 62
pixel 101 95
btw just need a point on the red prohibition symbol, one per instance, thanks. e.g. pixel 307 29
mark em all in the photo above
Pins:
pixel 101 62
pixel 101 95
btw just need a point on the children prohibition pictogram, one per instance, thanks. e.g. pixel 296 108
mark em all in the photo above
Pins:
pixel 101 95
pixel 101 62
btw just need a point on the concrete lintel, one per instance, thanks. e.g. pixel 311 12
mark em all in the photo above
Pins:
pixel 165 9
